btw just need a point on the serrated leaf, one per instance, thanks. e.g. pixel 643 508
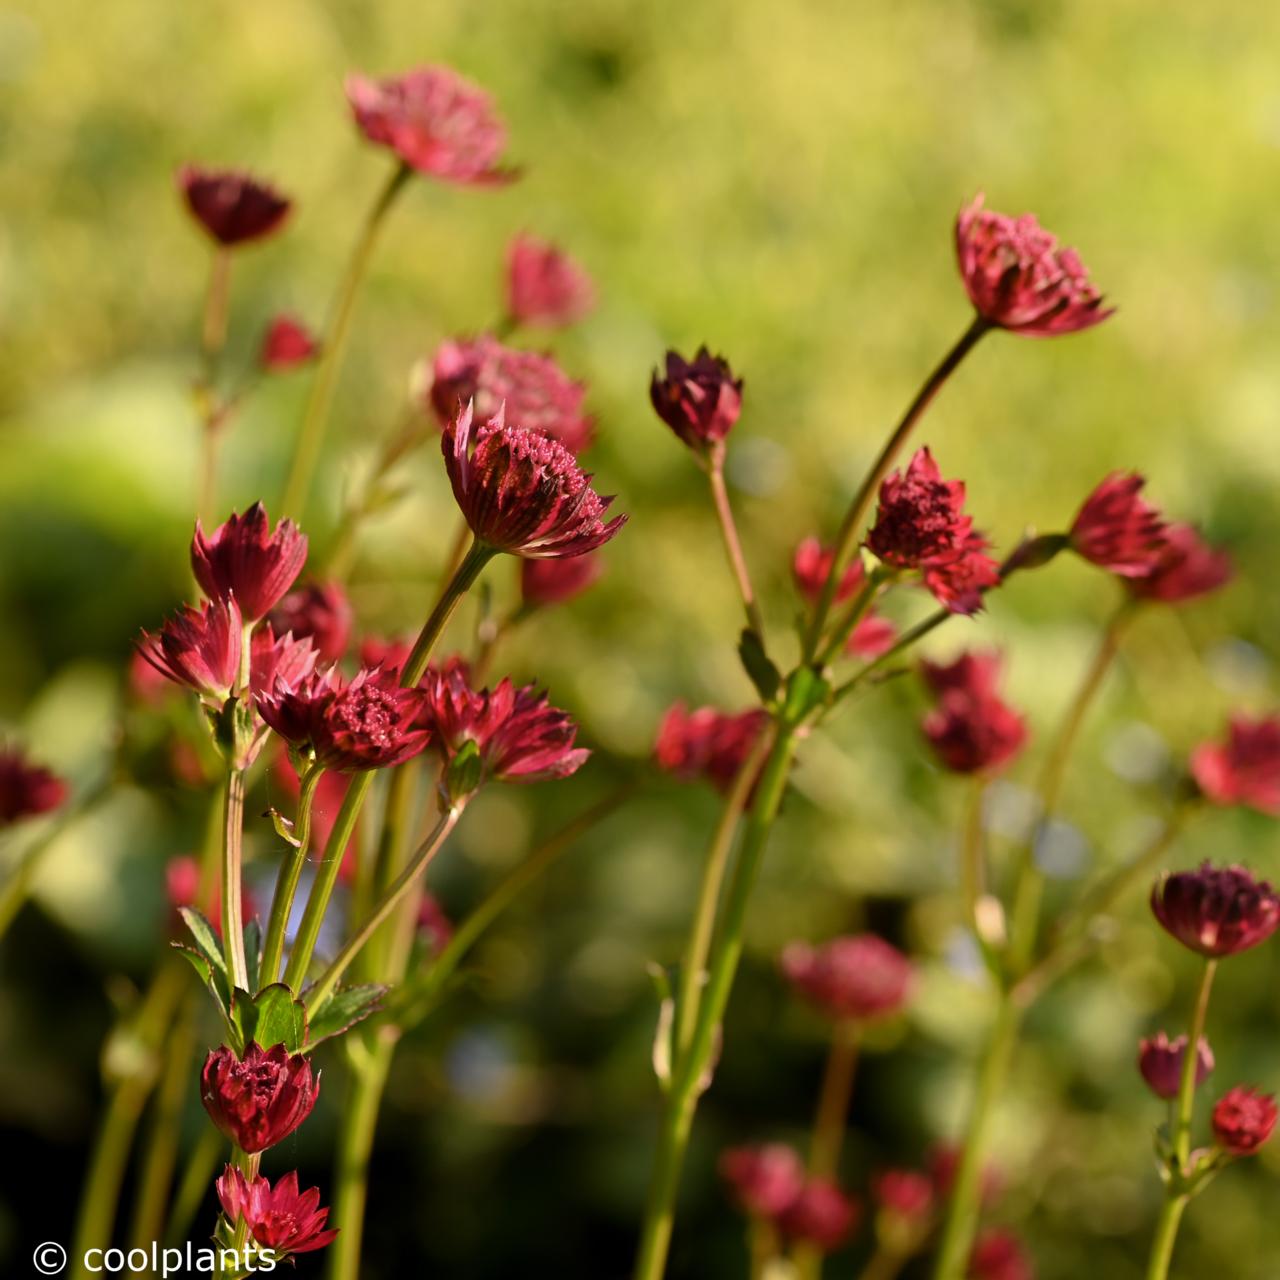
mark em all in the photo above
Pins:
pixel 216 984
pixel 343 1010
pixel 758 665
pixel 206 938
pixel 270 1018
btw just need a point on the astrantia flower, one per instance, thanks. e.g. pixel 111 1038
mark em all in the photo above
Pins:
pixel 232 207
pixel 974 673
pixel 700 400
pixel 286 659
pixel 1018 278
pixel 279 1218
pixel 524 493
pixel 1160 1062
pixel 971 729
pixel 259 1099
pixel 544 285
pixel 765 1181
pixel 959 585
pixel 1185 568
pixel 999 1255
pixel 244 558
pixel 199 648
pixel 544 582
pixel 860 976
pixel 920 519
pixel 287 344
pixel 1217 911
pixel 1243 1120
pixel 1117 530
pixel 319 612
pixel 822 1215
pixel 538 394
pixel 707 743
pixel 436 122
pixel 904 1194
pixel 26 789
pixel 1245 769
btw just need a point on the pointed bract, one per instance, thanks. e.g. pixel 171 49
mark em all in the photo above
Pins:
pixel 244 558
pixel 199 648
pixel 1117 530
pixel 278 1218
pixel 1186 567
pixel 859 976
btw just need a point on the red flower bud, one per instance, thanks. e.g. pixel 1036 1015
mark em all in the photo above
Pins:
pixel 259 1099
pixel 544 285
pixel 199 648
pixel 244 558
pixel 860 976
pixel 1243 1120
pixel 1245 769
pixel 1217 911
pixel 1160 1062
pixel 905 1195
pixel 232 207
pixel 1117 530
pixel 26 789
pixel 999 1255
pixel 1185 568
pixel 278 1218
pixel 765 1181
pixel 707 743
pixel 544 582
pixel 822 1215
pixel 319 612
pixel 287 344
pixel 700 400
pixel 975 673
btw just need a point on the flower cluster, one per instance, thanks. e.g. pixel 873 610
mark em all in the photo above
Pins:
pixel 861 977
pixel 260 1098
pixel 971 728
pixel 1245 769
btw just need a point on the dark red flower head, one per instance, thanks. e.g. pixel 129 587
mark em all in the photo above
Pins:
pixel 287 344
pixel 1117 530
pixel 259 1099
pixel 1185 568
pixel 1245 769
pixel 822 1215
pixel 1217 911
pixel 905 1195
pixel 1160 1062
pixel 999 1255
pixel 26 789
pixel 975 673
pixel 370 723
pixel 700 400
pixel 544 285
pixel 544 582
pixel 232 207
pixel 1243 1120
pixel 244 558
pixel 524 493
pixel 319 612
pixel 1018 278
pixel 860 976
pixel 538 394
pixel 287 660
pixel 707 743
pixel 959 585
pixel 279 1218
pixel 436 122
pixel 765 1181
pixel 199 648
pixel 974 735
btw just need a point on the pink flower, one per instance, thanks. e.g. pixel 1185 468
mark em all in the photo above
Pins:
pixel 319 612
pixel 1243 1120
pixel 765 1181
pixel 544 285
pixel 905 1195
pixel 872 637
pixel 1217 911
pixel 287 660
pixel 1117 530
pixel 199 648
pixel 812 564
pixel 259 1099
pixel 26 789
pixel 974 673
pixel 1245 769
pixel 244 558
pixel 538 394
pixel 1160 1062
pixel 544 582
pixel 1019 279
pixel 287 344
pixel 999 1255
pixel 278 1218
pixel 960 584
pixel 860 976
pixel 232 207
pixel 436 122
pixel 1185 568
pixel 523 493
pixel 700 400
pixel 707 743
pixel 822 1215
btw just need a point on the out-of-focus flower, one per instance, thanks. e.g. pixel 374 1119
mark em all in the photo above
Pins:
pixel 1217 911
pixel 906 1196
pixel 538 394
pixel 522 492
pixel 860 976
pixel 319 612
pixel 700 400
pixel 232 207
pixel 974 673
pixel 259 1099
pixel 287 659
pixel 545 286
pixel 182 886
pixel 1019 278
pixel 765 1181
pixel 1117 529
pixel 1160 1062
pixel 707 743
pixel 287 344
pixel 389 654
pixel 245 559
pixel 822 1215
pixel 279 1218
pixel 1186 567
pixel 873 635
pixel 436 121
pixel 1243 1120
pixel 544 582
pixel 199 648
pixel 434 927
pixel 1245 769
pixel 26 789
pixel 960 584
pixel 971 729
pixel 999 1255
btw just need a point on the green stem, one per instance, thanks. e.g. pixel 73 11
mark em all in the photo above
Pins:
pixel 1185 1108
pixel 466 573
pixel 903 643
pixel 287 881
pixel 1165 1237
pixel 399 821
pixel 307 450
pixel 856 612
pixel 732 543
pixel 232 863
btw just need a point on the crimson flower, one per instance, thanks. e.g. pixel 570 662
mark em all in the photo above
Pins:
pixel 700 400
pixel 524 493
pixel 975 673
pixel 1246 768
pixel 1117 529
pixel 765 1181
pixel 279 1218
pixel 436 121
pixel 999 1255
pixel 905 1195
pixel 1243 1120
pixel 319 612
pixel 1160 1062
pixel 26 789
pixel 1185 568
pixel 287 659
pixel 960 584
pixel 232 207
pixel 1018 278
pixel 287 344
pixel 1217 911
pixel 199 648
pixel 707 743
pixel 860 976
pixel 259 1099
pixel 822 1215
pixel 544 582
pixel 873 635
pixel 242 557
pixel 545 286
pixel 971 729
pixel 538 394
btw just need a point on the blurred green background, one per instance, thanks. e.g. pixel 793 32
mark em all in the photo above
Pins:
pixel 780 182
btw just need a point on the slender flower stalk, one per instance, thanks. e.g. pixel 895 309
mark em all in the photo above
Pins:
pixel 287 880
pixel 232 875
pixel 732 543
pixel 833 1102
pixel 464 575
pixel 213 338
pixel 857 610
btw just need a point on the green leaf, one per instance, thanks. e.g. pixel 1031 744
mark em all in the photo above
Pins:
pixel 343 1010
pixel 758 665
pixel 206 939
pixel 270 1018
pixel 216 984
pixel 252 951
